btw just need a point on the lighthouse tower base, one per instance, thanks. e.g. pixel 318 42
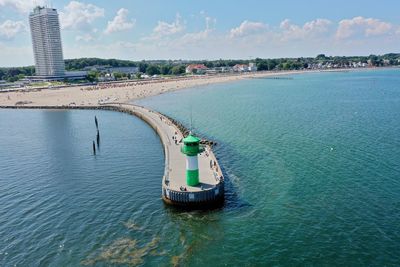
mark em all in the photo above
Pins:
pixel 212 198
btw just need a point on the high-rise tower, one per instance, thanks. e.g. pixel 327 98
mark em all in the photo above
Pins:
pixel 46 41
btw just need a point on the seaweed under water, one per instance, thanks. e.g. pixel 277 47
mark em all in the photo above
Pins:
pixel 123 251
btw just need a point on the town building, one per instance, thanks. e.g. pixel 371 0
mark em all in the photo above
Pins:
pixel 110 70
pixel 126 70
pixel 252 66
pixel 46 42
pixel 241 68
pixel 196 69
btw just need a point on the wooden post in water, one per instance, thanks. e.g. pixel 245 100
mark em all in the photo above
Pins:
pixel 96 122
pixel 98 139
pixel 94 148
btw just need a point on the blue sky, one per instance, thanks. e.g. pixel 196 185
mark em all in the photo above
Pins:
pixel 184 29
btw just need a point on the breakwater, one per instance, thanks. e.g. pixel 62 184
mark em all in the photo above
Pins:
pixel 185 131
pixel 174 189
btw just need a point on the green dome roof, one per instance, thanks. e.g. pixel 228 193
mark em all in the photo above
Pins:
pixel 191 139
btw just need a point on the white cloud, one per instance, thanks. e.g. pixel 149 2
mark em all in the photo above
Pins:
pixel 194 38
pixel 77 15
pixel 317 26
pixel 87 37
pixel 309 29
pixel 165 29
pixel 259 33
pixel 22 6
pixel 120 22
pixel 179 44
pixel 9 28
pixel 175 38
pixel 248 27
pixel 365 26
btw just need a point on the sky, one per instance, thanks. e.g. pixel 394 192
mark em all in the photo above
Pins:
pixel 206 29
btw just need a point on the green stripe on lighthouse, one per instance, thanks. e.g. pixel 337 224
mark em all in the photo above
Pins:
pixel 192 177
pixel 191 148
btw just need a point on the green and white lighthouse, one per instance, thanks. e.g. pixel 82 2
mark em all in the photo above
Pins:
pixel 191 148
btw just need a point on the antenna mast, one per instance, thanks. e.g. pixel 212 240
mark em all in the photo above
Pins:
pixel 191 118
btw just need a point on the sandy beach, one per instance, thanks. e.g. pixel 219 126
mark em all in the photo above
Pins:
pixel 121 92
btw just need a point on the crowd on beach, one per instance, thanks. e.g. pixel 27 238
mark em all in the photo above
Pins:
pixel 108 85
pixel 108 92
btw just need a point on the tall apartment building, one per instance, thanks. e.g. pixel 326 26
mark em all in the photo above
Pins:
pixel 46 41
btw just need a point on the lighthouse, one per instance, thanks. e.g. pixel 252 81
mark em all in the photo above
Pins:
pixel 191 148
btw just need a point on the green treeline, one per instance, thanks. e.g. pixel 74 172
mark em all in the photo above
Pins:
pixel 177 67
pixel 80 63
pixel 15 74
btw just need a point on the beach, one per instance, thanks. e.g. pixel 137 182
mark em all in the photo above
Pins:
pixel 118 92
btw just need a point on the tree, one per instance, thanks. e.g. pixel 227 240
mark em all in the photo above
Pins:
pixel 178 70
pixel 143 66
pixel 374 60
pixel 12 79
pixel 209 64
pixel 165 69
pixel 152 70
pixel 272 64
pixel 118 75
pixel 92 76
pixel 286 66
pixel 262 65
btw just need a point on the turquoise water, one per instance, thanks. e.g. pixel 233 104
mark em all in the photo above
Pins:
pixel 312 167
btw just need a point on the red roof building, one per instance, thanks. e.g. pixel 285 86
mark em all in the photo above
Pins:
pixel 196 68
pixel 240 67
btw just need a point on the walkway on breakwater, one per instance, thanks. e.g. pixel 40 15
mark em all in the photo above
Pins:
pixel 174 188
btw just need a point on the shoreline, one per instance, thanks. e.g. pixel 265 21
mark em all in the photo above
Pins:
pixel 128 91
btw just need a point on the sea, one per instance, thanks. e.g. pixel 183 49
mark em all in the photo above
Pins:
pixel 311 162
